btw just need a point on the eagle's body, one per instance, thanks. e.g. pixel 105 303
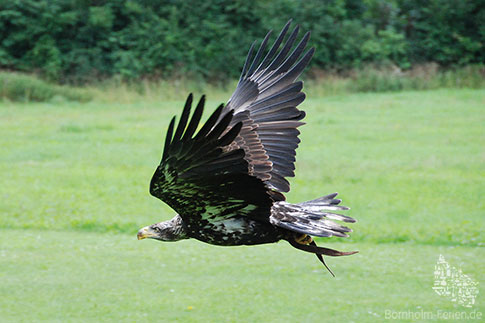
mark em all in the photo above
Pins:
pixel 226 181
pixel 237 231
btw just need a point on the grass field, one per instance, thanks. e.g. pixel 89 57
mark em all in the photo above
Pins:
pixel 81 276
pixel 75 191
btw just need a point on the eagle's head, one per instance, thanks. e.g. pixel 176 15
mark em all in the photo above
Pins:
pixel 172 230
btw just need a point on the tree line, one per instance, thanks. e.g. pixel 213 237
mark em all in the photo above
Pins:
pixel 78 41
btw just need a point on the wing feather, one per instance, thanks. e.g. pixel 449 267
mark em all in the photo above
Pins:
pixel 274 48
pixel 198 173
pixel 265 101
pixel 168 138
pixel 194 121
pixel 209 123
pixel 183 119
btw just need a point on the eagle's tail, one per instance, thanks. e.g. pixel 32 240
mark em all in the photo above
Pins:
pixel 312 218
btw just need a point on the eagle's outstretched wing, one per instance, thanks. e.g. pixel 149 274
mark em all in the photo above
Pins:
pixel 200 179
pixel 265 102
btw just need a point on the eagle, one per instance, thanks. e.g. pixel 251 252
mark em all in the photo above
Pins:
pixel 226 179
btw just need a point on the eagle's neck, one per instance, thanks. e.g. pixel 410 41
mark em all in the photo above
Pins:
pixel 174 229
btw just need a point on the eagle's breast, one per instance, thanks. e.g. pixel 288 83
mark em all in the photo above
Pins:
pixel 217 226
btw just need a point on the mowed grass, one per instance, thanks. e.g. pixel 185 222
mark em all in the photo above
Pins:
pixel 75 191
pixel 93 277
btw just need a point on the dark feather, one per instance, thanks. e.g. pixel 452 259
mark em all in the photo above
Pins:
pixel 220 127
pixel 209 123
pixel 168 138
pixel 194 122
pixel 183 119
pixel 274 48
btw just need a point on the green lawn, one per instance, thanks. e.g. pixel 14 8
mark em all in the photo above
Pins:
pixel 75 191
pixel 79 276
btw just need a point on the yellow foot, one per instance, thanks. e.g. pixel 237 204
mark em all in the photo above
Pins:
pixel 304 239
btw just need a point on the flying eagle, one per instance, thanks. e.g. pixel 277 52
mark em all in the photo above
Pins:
pixel 226 181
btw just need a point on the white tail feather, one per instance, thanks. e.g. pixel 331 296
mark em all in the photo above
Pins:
pixel 311 217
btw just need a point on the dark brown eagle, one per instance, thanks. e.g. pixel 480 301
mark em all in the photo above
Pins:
pixel 226 180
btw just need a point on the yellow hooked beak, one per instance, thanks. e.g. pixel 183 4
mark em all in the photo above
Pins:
pixel 146 232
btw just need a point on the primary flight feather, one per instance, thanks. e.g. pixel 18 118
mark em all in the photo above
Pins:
pixel 226 181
